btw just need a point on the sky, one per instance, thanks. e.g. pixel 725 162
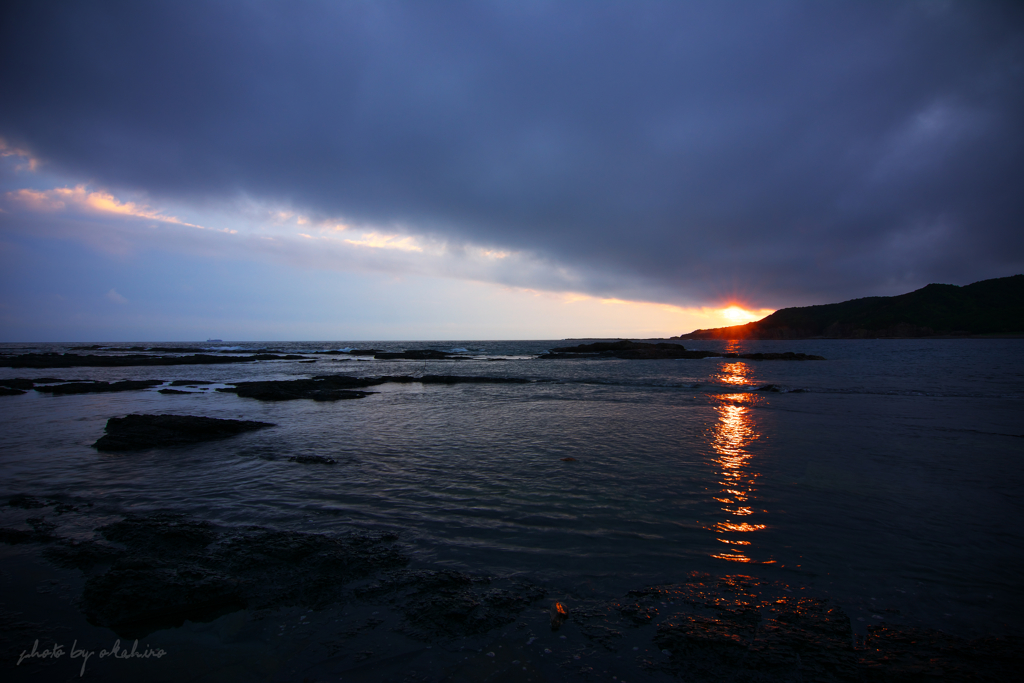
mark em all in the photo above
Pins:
pixel 378 170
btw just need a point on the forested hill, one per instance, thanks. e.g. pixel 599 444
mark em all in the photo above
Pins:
pixel 986 307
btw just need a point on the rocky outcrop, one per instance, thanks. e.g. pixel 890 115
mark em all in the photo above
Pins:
pixel 626 349
pixel 137 432
pixel 99 387
pixel 323 388
pixel 989 307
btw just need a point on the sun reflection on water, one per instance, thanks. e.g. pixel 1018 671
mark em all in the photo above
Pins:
pixel 732 435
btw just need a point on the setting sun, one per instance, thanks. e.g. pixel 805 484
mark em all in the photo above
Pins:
pixel 739 316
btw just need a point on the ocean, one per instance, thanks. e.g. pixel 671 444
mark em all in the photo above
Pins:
pixel 886 480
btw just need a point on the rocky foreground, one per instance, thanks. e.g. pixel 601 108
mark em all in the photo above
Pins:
pixel 146 572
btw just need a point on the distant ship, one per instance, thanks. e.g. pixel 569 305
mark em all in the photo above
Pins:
pixel 214 340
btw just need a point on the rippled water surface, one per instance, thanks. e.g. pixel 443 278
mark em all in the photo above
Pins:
pixel 892 470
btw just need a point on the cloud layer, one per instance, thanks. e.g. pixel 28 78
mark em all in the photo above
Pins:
pixel 786 153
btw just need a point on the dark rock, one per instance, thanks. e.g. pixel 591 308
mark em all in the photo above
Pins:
pixel 15 536
pixel 161 534
pixel 313 460
pixel 99 387
pixel 17 383
pixel 448 603
pixel 25 502
pixel 323 388
pixel 5 391
pixel 769 387
pixel 174 391
pixel 41 532
pixel 134 432
pixel 894 653
pixel 82 555
pixel 559 613
pixel 189 382
pixel 740 628
pixel 136 602
pixel 174 568
pixel 64 508
pixel 627 350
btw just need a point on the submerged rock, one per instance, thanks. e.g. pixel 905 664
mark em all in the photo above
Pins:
pixel 99 387
pixel 25 502
pixel 313 460
pixel 135 432
pixel 174 568
pixel 17 383
pixel 41 532
pixel 741 628
pixel 163 568
pixel 447 603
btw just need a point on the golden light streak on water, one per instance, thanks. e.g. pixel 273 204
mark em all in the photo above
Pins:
pixel 731 438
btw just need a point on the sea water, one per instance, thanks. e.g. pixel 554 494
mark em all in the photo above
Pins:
pixel 890 473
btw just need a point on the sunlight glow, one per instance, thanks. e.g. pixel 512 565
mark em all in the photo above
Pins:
pixel 79 198
pixel 378 241
pixel 740 316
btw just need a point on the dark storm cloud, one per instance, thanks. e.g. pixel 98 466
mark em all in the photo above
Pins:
pixel 790 152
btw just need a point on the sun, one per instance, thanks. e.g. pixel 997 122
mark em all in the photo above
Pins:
pixel 739 316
